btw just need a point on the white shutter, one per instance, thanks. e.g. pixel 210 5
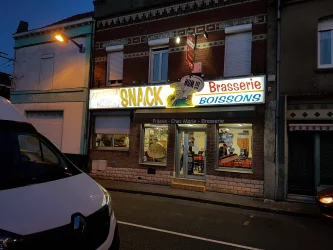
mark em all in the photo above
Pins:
pixel 115 65
pixel 238 49
pixel 46 73
pixel 112 125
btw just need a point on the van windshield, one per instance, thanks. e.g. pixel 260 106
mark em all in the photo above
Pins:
pixel 29 159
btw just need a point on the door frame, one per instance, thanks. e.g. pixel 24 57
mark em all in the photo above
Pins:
pixel 186 130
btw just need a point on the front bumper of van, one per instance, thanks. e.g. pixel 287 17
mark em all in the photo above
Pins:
pixel 112 242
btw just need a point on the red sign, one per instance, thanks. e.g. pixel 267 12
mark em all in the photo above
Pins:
pixel 190 48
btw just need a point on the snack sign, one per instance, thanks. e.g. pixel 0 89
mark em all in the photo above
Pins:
pixel 189 92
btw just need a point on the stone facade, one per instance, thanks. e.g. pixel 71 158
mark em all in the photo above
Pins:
pixel 235 186
pixel 133 175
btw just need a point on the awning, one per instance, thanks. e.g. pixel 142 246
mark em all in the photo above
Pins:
pixel 207 115
pixel 310 127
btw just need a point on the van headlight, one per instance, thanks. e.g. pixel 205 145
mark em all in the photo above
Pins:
pixel 326 200
pixel 9 240
pixel 107 199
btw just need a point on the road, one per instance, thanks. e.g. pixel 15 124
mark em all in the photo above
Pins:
pixel 149 222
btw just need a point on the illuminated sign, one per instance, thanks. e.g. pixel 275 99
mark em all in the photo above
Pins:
pixel 232 91
pixel 189 92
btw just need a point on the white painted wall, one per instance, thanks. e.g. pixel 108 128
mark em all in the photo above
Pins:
pixel 72 130
pixel 69 65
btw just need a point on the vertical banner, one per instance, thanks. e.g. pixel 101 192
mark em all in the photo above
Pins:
pixel 190 50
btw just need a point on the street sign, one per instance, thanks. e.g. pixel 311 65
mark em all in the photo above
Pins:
pixel 190 50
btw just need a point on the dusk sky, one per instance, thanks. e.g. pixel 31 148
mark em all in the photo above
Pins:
pixel 37 13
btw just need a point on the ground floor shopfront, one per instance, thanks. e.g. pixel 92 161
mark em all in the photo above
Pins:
pixel 308 147
pixel 215 148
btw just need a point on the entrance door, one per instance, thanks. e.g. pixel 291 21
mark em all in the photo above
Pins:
pixel 301 176
pixel 191 154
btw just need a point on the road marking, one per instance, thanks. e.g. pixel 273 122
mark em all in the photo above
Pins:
pixel 188 236
pixel 246 223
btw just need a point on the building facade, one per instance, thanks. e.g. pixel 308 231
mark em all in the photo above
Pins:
pixel 179 94
pixel 306 100
pixel 51 82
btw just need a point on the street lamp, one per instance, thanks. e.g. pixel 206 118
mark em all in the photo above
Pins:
pixel 63 38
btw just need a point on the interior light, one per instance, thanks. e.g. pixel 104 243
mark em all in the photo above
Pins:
pixel 59 38
pixel 240 125
pixel 178 39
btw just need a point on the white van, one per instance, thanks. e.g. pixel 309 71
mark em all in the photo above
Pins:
pixel 45 201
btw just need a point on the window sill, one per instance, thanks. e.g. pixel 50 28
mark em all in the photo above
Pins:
pixel 153 164
pixel 233 170
pixel 110 149
pixel 324 70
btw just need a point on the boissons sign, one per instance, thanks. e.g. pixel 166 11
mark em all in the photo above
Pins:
pixel 191 91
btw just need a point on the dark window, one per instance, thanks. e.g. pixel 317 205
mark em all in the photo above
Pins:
pixel 29 158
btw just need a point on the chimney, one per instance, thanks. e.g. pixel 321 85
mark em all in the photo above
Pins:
pixel 23 27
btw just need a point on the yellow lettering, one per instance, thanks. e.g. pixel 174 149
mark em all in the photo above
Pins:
pixel 157 97
pixel 123 96
pixel 140 96
pixel 132 97
pixel 150 103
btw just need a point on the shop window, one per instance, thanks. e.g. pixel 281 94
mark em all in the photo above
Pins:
pixel 325 44
pixel 155 143
pixel 159 65
pixel 235 146
pixel 112 132
pixel 238 49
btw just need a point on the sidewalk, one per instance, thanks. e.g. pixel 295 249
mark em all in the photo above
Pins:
pixel 228 200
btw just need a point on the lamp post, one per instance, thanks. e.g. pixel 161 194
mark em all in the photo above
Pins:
pixel 63 38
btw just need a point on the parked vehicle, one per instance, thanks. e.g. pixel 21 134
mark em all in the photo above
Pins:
pixel 46 201
pixel 324 202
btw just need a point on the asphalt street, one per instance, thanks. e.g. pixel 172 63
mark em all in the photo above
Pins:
pixel 149 222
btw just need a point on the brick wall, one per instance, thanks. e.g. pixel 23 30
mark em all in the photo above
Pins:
pixel 212 58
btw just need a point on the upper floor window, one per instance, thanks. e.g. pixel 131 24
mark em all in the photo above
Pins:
pixel 159 57
pixel 238 50
pixel 325 52
pixel 115 64
pixel 46 72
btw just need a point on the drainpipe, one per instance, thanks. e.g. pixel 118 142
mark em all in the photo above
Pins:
pixel 277 110
pixel 87 130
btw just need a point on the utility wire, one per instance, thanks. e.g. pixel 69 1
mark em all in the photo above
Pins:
pixel 5 63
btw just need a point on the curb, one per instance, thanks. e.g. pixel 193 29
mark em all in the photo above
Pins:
pixel 219 203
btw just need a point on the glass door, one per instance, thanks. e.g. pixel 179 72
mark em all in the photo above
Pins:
pixel 192 153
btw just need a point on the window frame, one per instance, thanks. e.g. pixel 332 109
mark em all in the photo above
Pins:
pixel 110 50
pixel 142 144
pixel 228 169
pixel 94 136
pixel 324 66
pixel 153 51
pixel 233 30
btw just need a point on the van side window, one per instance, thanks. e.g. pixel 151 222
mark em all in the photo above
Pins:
pixel 31 149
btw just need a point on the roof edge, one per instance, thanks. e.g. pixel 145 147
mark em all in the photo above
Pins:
pixel 52 27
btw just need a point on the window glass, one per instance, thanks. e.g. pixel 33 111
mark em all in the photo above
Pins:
pixel 112 140
pixel 164 67
pixel 156 67
pixel 155 140
pixel 159 65
pixel 28 159
pixel 325 47
pixel 235 146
